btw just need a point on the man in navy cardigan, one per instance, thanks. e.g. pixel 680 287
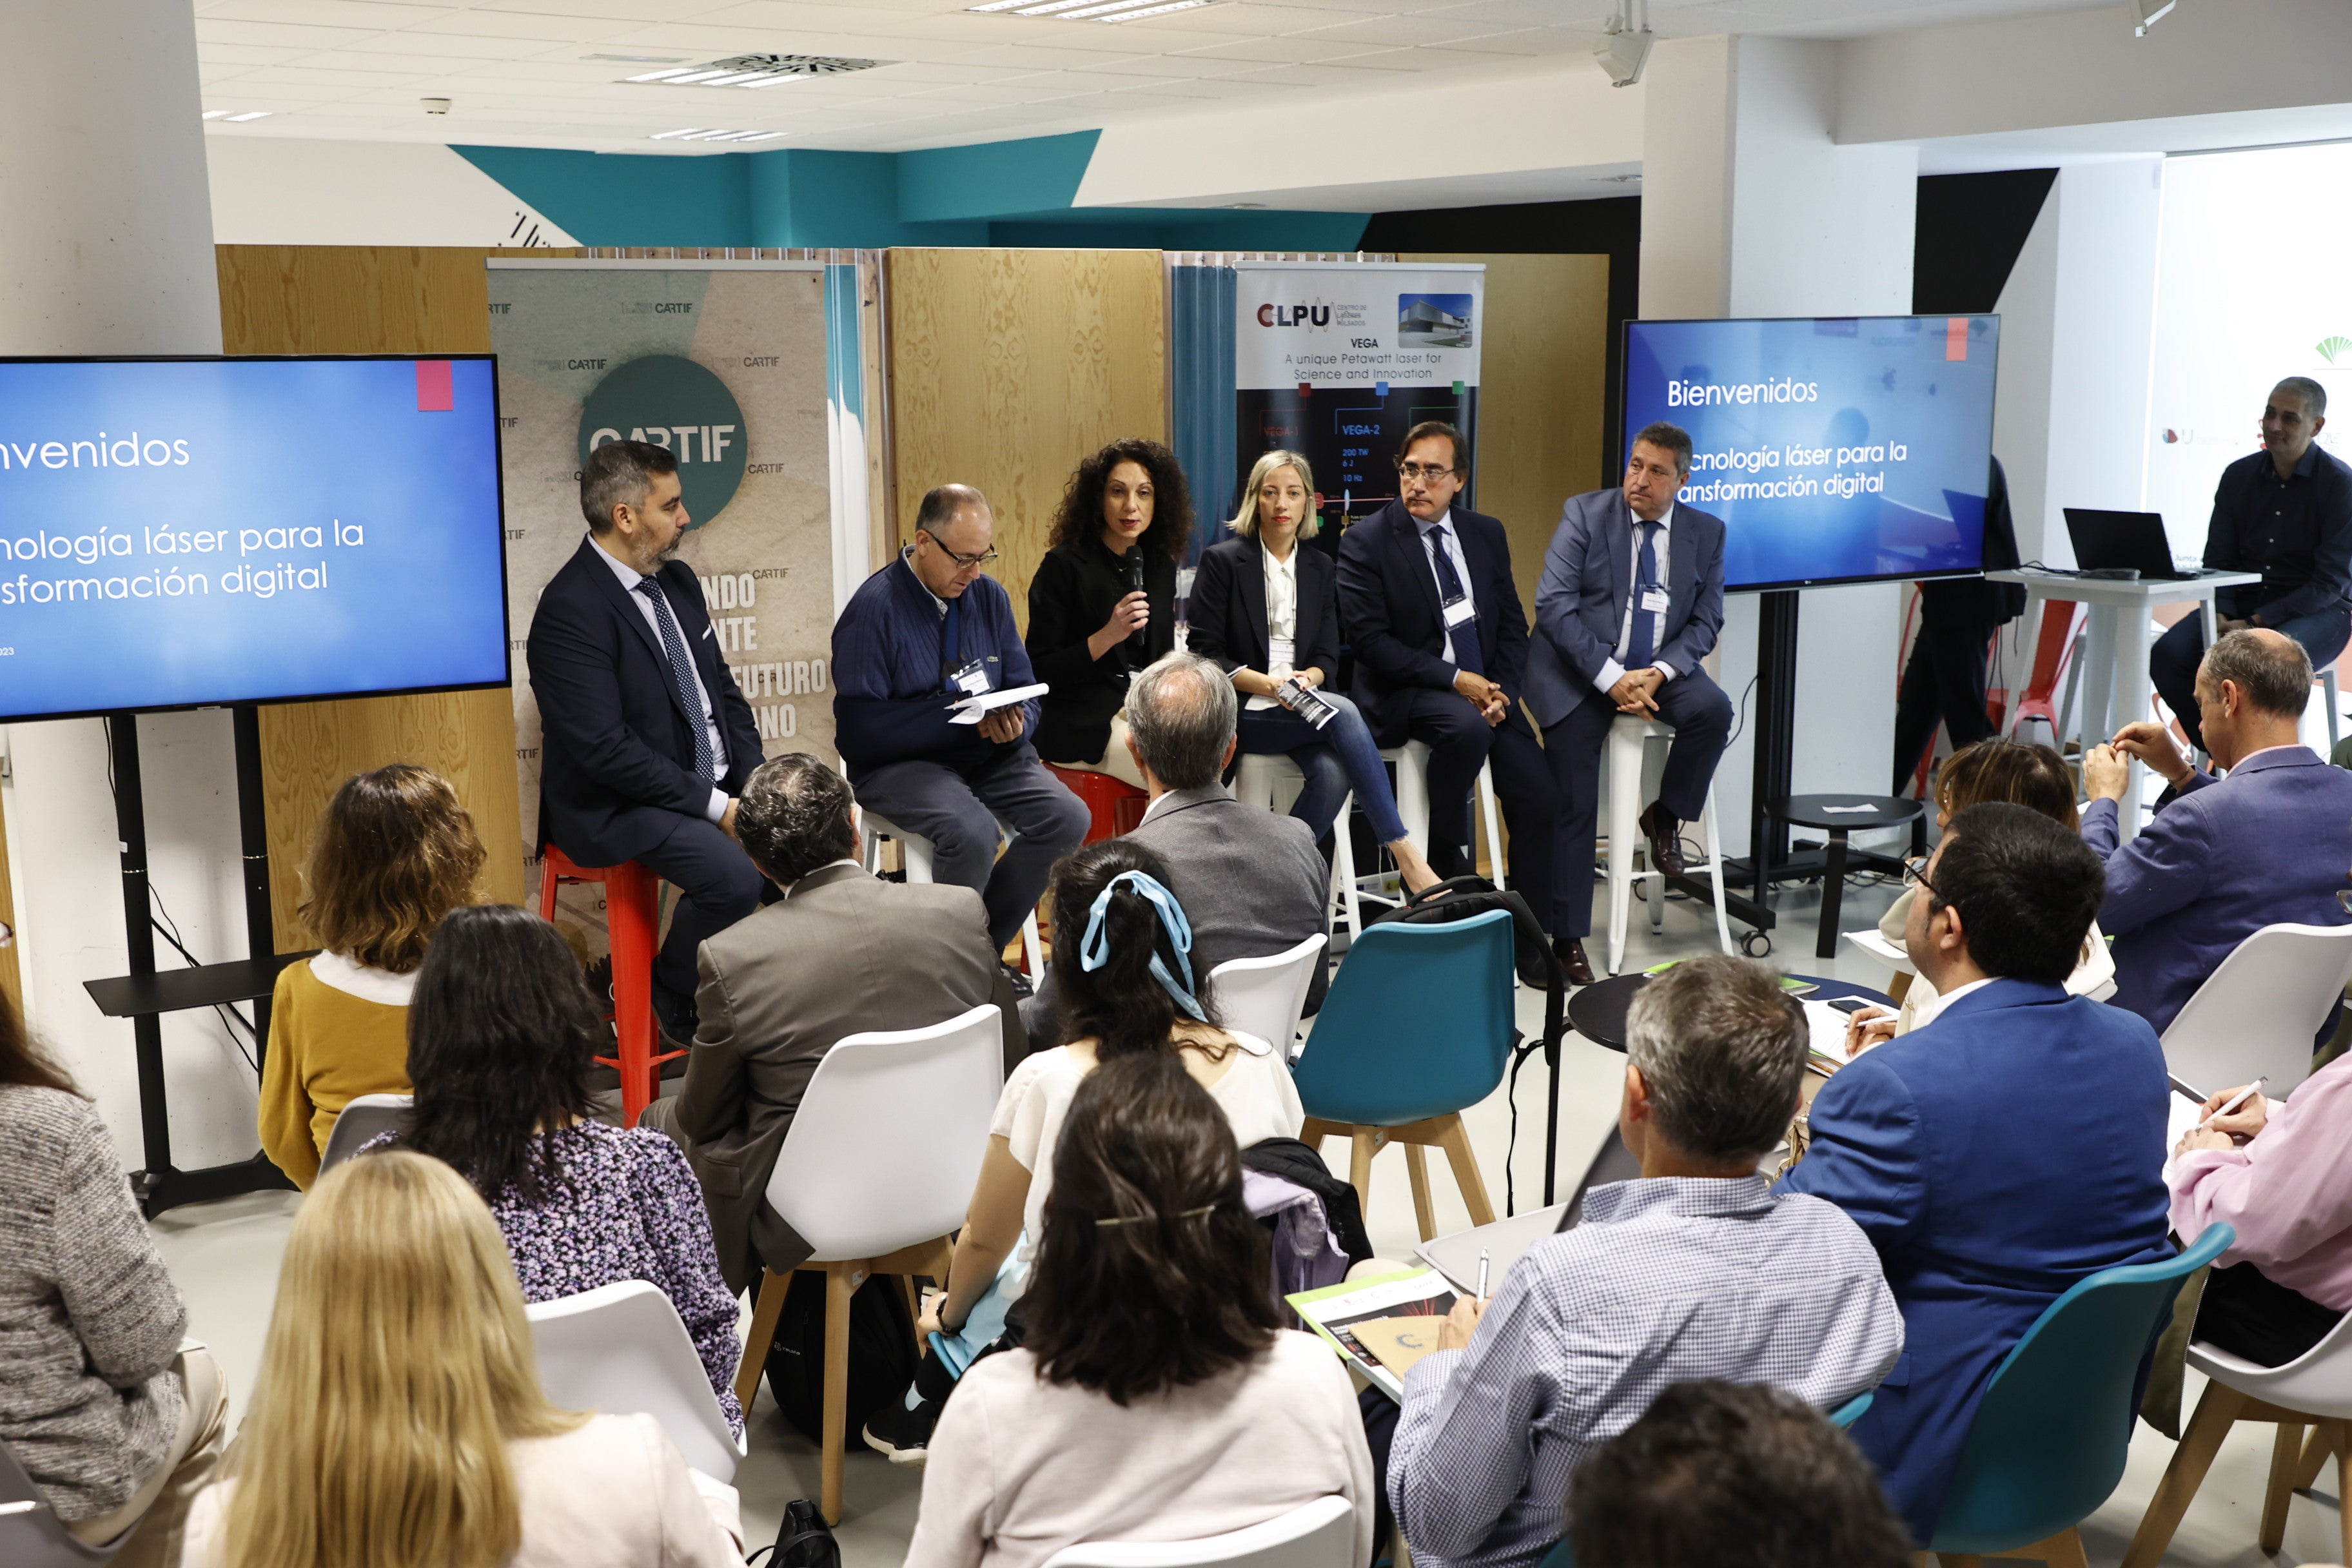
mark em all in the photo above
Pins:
pixel 919 635
pixel 2005 1151
pixel 647 740
pixel 2222 857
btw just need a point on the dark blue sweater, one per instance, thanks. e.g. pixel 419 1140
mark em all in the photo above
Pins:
pixel 891 693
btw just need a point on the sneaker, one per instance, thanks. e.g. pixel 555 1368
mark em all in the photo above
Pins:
pixel 900 1435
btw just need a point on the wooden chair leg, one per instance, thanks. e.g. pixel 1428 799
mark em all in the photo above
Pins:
pixel 2287 1449
pixel 914 1312
pixel 1959 1560
pixel 841 1281
pixel 1424 1213
pixel 1455 1141
pixel 2063 1549
pixel 2344 1488
pixel 2322 1443
pixel 767 1308
pixel 1359 1168
pixel 2216 1412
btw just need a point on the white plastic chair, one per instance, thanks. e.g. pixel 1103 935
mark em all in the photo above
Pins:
pixel 1894 956
pixel 1273 782
pixel 918 851
pixel 364 1118
pixel 1268 997
pixel 1320 1534
pixel 877 1170
pixel 1628 752
pixel 1412 761
pixel 2312 1390
pixel 2256 1014
pixel 31 1533
pixel 622 1349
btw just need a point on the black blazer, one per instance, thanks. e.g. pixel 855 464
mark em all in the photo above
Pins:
pixel 1228 608
pixel 617 768
pixel 1396 629
pixel 1070 599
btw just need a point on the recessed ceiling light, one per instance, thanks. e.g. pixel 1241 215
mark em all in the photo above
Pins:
pixel 215 114
pixel 694 133
pixel 249 114
pixel 1157 10
pixel 1090 10
pixel 765 70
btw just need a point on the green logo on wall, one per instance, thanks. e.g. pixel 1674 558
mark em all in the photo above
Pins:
pixel 674 402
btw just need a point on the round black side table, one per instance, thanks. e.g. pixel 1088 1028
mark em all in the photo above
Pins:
pixel 1837 815
pixel 1598 1011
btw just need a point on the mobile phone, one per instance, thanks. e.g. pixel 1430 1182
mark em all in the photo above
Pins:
pixel 1850 1005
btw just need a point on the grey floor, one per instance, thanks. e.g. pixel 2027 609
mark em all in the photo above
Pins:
pixel 226 1257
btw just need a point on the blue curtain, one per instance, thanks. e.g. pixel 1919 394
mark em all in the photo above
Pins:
pixel 1201 389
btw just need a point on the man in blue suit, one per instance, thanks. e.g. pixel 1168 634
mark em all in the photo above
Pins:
pixel 647 739
pixel 2006 1150
pixel 1631 599
pixel 1439 642
pixel 2222 857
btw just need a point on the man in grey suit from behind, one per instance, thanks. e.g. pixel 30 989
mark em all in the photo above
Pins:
pixel 1251 883
pixel 842 953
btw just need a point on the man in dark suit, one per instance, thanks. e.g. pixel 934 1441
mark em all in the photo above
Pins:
pixel 2222 857
pixel 2002 1153
pixel 1630 601
pixel 1440 641
pixel 1945 680
pixel 647 739
pixel 864 955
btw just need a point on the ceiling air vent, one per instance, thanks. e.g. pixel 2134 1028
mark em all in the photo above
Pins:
pixel 756 70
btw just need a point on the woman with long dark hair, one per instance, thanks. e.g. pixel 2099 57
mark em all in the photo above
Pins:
pixel 115 1420
pixel 1156 1395
pixel 1102 603
pixel 500 1040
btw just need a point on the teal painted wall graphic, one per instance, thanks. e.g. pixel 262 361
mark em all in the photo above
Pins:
pixel 994 193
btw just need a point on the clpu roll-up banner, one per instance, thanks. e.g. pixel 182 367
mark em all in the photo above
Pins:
pixel 1336 362
pixel 724 362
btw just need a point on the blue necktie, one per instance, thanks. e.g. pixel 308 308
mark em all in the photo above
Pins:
pixel 1642 643
pixel 1464 637
pixel 681 676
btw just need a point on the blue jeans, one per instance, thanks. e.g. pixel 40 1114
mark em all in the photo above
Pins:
pixel 1336 759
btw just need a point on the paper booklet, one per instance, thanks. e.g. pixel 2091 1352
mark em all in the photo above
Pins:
pixel 1301 700
pixel 1392 1310
pixel 972 709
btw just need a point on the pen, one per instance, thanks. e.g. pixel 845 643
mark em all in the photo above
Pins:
pixel 2250 1090
pixel 1482 1274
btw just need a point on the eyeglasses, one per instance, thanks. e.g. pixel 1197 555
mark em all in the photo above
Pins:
pixel 1429 471
pixel 1916 871
pixel 963 562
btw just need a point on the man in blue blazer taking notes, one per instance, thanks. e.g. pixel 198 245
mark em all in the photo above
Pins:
pixel 1999 1154
pixel 1630 601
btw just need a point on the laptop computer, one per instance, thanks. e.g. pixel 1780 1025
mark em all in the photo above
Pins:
pixel 2109 540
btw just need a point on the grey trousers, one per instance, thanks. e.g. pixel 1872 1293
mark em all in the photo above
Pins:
pixel 959 816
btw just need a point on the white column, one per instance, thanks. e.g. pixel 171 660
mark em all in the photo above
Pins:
pixel 1750 208
pixel 110 252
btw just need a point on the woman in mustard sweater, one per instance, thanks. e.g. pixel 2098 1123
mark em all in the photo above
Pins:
pixel 394 853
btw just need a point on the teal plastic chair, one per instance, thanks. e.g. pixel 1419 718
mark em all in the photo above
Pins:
pixel 1417 1027
pixel 1845 1415
pixel 2051 1436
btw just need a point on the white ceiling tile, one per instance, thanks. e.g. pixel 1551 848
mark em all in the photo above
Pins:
pixel 1273 51
pixel 1430 27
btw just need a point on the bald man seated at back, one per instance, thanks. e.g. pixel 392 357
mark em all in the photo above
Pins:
pixel 2265 838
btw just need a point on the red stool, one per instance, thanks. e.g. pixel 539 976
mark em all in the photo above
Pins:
pixel 633 918
pixel 1116 806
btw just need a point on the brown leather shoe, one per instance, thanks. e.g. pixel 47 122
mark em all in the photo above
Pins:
pixel 1664 834
pixel 1572 961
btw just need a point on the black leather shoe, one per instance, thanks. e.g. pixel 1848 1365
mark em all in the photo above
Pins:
pixel 1572 961
pixel 676 1015
pixel 1664 834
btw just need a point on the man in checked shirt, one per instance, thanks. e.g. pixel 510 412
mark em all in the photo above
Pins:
pixel 1696 1269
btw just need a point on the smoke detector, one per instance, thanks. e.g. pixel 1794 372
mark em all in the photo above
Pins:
pixel 435 105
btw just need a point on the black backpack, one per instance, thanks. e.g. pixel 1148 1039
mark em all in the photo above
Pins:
pixel 1465 898
pixel 805 1541
pixel 881 1353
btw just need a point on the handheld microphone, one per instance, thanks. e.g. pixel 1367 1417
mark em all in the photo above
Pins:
pixel 1136 641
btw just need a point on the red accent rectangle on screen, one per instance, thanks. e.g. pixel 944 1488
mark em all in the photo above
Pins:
pixel 434 392
pixel 1955 338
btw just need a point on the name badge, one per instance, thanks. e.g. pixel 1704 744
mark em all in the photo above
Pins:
pixel 1653 601
pixel 1279 652
pixel 973 679
pixel 1458 611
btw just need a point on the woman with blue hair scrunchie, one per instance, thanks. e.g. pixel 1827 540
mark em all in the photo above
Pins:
pixel 1123 971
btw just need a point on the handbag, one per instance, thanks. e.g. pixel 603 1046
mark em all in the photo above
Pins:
pixel 805 1541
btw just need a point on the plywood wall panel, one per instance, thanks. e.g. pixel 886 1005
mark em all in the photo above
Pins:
pixel 1009 366
pixel 1542 381
pixel 370 300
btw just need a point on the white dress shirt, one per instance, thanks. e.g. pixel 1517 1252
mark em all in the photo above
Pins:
pixel 1613 669
pixel 1281 619
pixel 1442 528
pixel 629 577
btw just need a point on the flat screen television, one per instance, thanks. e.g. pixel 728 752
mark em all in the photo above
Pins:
pixel 188 532
pixel 1850 449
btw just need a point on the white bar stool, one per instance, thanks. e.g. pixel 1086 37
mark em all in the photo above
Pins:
pixel 1628 753
pixel 875 827
pixel 1412 761
pixel 1273 781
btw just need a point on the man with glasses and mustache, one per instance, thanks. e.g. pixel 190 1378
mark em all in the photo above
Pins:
pixel 1440 641
pixel 922 634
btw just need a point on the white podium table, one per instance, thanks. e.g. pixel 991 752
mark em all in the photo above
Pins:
pixel 2115 682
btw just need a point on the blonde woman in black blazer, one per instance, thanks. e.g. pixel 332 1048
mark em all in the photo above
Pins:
pixel 1268 612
